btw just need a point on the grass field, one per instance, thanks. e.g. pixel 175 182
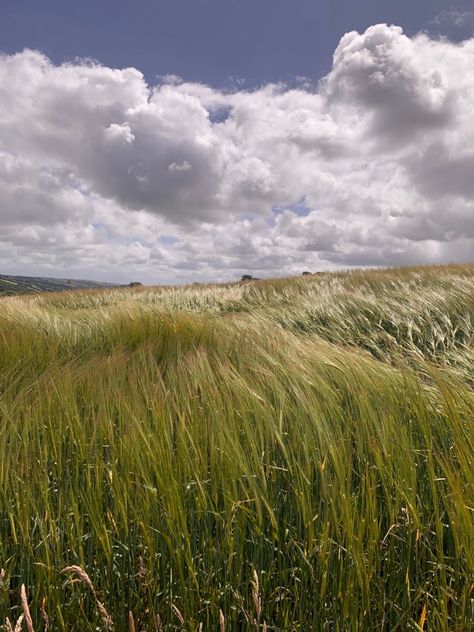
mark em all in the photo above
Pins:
pixel 278 455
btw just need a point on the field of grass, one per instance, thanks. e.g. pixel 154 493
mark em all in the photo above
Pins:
pixel 287 455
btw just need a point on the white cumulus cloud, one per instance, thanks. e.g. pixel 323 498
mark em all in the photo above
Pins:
pixel 104 174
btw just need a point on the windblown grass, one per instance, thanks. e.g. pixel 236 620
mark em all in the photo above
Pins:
pixel 282 455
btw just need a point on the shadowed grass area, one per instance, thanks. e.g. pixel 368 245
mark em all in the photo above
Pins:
pixel 295 454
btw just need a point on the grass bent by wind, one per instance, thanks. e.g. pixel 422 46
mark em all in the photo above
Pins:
pixel 292 454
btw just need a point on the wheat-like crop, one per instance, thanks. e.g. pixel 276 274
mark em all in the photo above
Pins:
pixel 291 454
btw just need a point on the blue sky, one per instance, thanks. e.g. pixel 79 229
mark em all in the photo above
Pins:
pixel 210 41
pixel 192 140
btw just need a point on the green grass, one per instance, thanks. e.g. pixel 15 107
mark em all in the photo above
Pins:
pixel 178 443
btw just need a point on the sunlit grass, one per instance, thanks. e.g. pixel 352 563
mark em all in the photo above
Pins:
pixel 305 444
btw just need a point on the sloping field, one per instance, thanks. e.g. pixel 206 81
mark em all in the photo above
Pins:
pixel 12 285
pixel 282 455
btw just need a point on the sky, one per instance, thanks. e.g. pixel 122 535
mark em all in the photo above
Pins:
pixel 172 141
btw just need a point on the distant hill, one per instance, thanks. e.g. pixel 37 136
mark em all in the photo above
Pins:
pixel 10 285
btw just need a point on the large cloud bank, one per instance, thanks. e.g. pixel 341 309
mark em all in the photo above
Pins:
pixel 104 174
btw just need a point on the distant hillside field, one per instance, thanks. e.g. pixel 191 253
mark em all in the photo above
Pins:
pixel 12 285
pixel 284 455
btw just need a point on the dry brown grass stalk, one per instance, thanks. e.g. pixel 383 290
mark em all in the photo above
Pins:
pixel 26 609
pixel 44 614
pixel 256 597
pixel 178 614
pixel 18 625
pixel 8 626
pixel 84 578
